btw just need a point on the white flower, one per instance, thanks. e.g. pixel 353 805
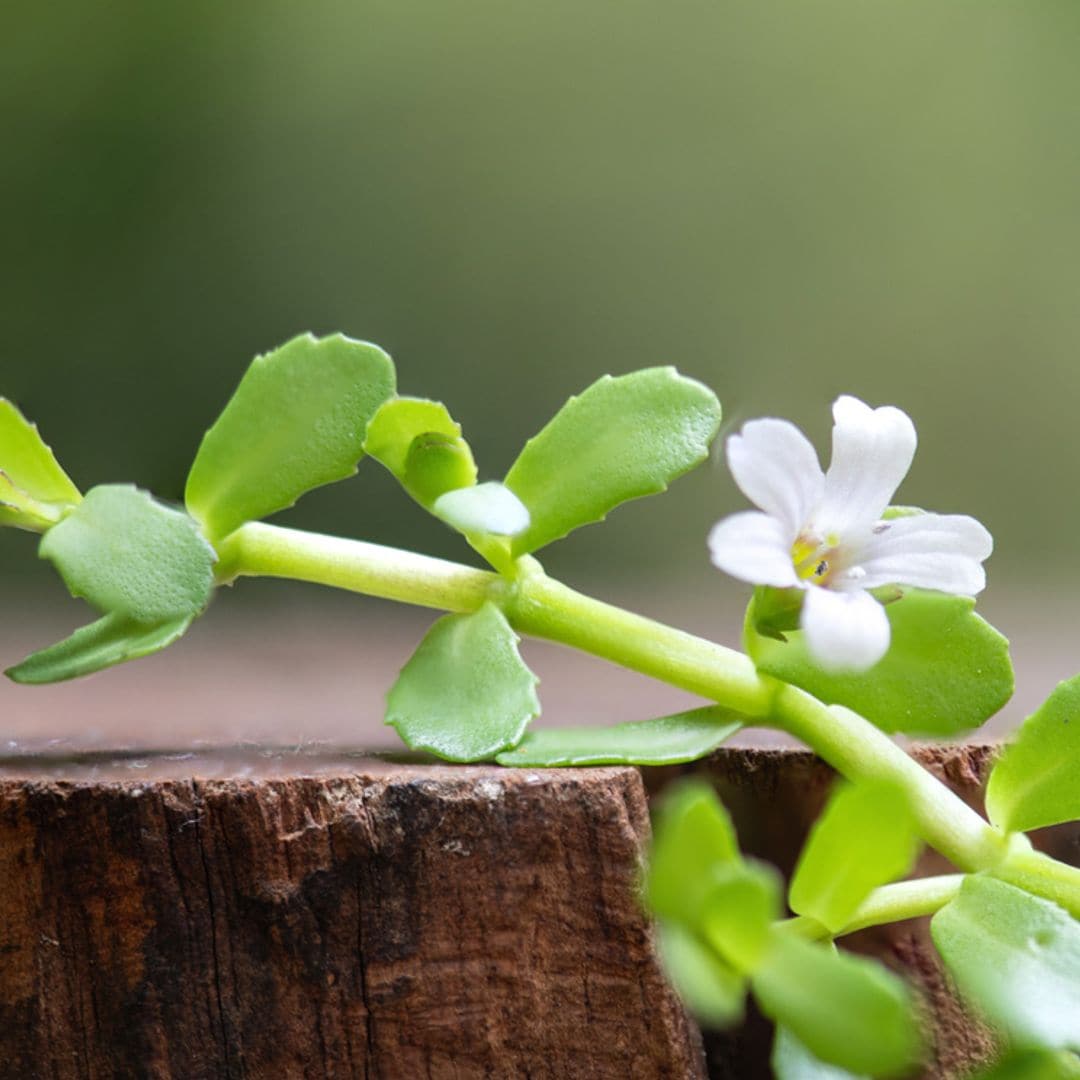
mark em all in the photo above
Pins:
pixel 824 533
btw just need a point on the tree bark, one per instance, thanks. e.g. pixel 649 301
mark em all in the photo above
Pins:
pixel 383 922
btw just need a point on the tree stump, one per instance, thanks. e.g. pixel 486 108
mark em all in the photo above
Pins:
pixel 374 920
pixel 307 915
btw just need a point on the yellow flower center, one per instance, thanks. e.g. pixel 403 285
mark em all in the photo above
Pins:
pixel 814 559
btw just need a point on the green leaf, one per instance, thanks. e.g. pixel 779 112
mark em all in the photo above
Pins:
pixel 946 671
pixel 667 740
pixel 846 1010
pixel 697 877
pixel 34 490
pixel 792 1061
pixel 145 566
pixel 1034 1065
pixel 401 420
pixel 864 838
pixel 29 463
pixel 111 640
pixel 127 554
pixel 711 990
pixel 1035 781
pixel 437 464
pixel 297 421
pixel 774 613
pixel 466 694
pixel 693 837
pixel 421 444
pixel 1016 957
pixel 622 438
pixel 488 509
pixel 742 904
pixel 23 511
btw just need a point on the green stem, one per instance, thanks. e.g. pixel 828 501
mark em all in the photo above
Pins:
pixel 258 550
pixel 535 604
pixel 858 749
pixel 1039 873
pixel 852 745
pixel 889 904
pixel 547 609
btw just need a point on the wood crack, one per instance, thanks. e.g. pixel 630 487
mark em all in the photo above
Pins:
pixel 371 1066
pixel 214 955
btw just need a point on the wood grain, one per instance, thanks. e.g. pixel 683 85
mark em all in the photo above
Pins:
pixel 387 921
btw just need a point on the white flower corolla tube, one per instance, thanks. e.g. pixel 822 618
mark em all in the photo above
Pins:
pixel 824 532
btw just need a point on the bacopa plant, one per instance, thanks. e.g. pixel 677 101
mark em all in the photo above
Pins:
pixel 861 624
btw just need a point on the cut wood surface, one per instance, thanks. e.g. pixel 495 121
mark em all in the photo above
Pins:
pixel 375 920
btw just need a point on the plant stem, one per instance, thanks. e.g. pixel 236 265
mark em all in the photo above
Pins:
pixel 1039 873
pixel 852 745
pixel 544 608
pixel 258 550
pixel 537 605
pixel 858 749
pixel 889 904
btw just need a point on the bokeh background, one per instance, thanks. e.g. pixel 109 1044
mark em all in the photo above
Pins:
pixel 786 200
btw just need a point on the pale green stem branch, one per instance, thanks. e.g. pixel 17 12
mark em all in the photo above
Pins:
pixel 889 904
pixel 1039 873
pixel 544 608
pixel 258 550
pixel 858 749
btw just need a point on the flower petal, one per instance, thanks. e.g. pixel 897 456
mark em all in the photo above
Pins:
pixel 872 452
pixel 753 547
pixel 845 631
pixel 777 469
pixel 929 551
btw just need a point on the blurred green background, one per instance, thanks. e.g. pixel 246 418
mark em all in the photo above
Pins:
pixel 787 200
